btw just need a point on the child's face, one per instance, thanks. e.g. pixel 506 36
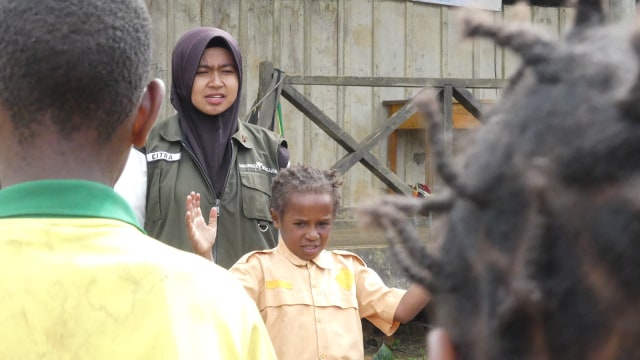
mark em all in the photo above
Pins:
pixel 306 223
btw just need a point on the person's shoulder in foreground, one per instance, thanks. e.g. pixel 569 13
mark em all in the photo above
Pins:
pixel 81 279
pixel 86 279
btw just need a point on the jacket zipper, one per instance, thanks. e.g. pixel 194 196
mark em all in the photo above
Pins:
pixel 211 188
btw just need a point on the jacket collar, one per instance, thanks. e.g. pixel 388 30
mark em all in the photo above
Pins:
pixel 169 129
pixel 323 259
pixel 242 137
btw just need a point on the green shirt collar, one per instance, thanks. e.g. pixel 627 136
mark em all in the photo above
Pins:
pixel 65 198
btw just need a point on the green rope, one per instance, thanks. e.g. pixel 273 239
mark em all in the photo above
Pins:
pixel 279 109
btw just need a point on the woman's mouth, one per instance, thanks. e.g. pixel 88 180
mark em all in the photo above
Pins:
pixel 214 99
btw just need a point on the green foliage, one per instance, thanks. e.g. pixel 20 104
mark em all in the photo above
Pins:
pixel 384 353
pixel 395 344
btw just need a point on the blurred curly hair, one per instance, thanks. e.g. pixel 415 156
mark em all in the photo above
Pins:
pixel 540 249
pixel 80 66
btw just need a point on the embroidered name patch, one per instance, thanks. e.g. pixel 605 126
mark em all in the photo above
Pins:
pixel 162 155
pixel 258 166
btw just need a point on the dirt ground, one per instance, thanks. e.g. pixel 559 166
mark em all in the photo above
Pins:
pixel 407 343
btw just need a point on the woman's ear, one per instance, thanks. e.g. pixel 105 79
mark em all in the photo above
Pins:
pixel 147 112
pixel 439 345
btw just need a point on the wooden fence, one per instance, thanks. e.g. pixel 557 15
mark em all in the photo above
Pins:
pixel 449 90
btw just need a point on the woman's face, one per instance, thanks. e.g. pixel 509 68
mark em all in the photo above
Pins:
pixel 215 86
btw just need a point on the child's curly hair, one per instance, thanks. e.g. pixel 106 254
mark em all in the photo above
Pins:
pixel 540 257
pixel 303 179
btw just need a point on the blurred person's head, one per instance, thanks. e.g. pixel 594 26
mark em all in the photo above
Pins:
pixel 539 228
pixel 74 88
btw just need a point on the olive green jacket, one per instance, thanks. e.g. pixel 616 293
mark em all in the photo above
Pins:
pixel 244 222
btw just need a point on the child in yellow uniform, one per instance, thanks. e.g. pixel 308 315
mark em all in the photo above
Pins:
pixel 312 300
pixel 80 278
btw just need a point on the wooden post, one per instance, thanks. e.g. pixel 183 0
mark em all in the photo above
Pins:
pixel 266 71
pixel 447 109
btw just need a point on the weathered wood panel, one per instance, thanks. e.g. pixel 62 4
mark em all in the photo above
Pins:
pixel 161 66
pixel 320 43
pixel 290 57
pixel 389 59
pixel 349 38
pixel 256 32
pixel 358 41
pixel 424 59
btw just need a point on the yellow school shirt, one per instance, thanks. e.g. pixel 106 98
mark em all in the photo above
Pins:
pixel 81 280
pixel 312 309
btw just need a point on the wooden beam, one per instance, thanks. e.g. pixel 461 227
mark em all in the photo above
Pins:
pixel 469 102
pixel 393 81
pixel 446 96
pixel 382 132
pixel 324 122
pixel 318 117
pixel 265 74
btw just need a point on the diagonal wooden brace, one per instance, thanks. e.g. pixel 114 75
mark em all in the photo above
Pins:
pixel 331 128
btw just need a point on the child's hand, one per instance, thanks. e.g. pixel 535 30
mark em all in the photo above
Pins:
pixel 201 235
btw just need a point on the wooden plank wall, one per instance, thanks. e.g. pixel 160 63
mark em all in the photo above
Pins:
pixel 346 37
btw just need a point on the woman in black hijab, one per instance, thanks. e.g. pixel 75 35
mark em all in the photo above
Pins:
pixel 204 148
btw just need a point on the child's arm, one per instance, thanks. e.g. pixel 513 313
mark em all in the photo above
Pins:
pixel 413 301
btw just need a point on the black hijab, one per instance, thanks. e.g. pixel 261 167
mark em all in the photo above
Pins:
pixel 208 136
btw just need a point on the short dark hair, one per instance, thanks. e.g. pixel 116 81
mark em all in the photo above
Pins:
pixel 304 179
pixel 81 64
pixel 541 249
